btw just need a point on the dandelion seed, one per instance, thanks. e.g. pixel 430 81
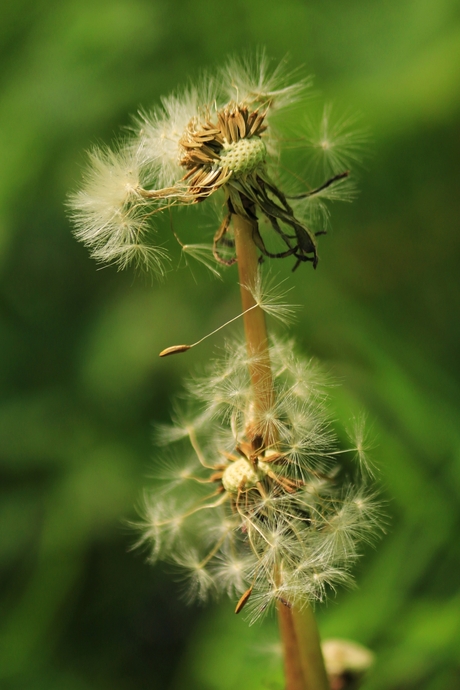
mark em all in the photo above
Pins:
pixel 253 81
pixel 203 254
pixel 200 581
pixel 334 141
pixel 270 297
pixel 359 435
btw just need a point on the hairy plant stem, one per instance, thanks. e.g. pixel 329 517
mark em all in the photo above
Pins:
pixel 303 660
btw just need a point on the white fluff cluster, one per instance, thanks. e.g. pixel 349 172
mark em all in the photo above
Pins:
pixel 186 149
pixel 160 130
pixel 278 523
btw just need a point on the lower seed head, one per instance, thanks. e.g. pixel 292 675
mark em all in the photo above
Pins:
pixel 242 475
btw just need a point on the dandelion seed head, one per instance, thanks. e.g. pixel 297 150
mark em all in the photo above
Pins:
pixel 215 135
pixel 277 518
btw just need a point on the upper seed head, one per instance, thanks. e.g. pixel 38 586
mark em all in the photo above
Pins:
pixel 244 156
pixel 216 136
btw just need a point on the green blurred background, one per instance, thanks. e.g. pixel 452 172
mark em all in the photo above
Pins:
pixel 81 381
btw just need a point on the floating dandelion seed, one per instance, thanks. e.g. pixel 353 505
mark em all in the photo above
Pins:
pixel 333 141
pixel 267 296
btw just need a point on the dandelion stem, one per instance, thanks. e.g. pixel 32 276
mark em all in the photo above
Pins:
pixel 303 661
pixel 294 675
pixel 311 657
pixel 254 326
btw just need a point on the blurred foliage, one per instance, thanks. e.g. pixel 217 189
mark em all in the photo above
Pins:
pixel 80 376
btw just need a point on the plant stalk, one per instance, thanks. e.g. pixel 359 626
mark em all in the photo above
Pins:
pixel 293 669
pixel 255 329
pixel 303 660
pixel 311 656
